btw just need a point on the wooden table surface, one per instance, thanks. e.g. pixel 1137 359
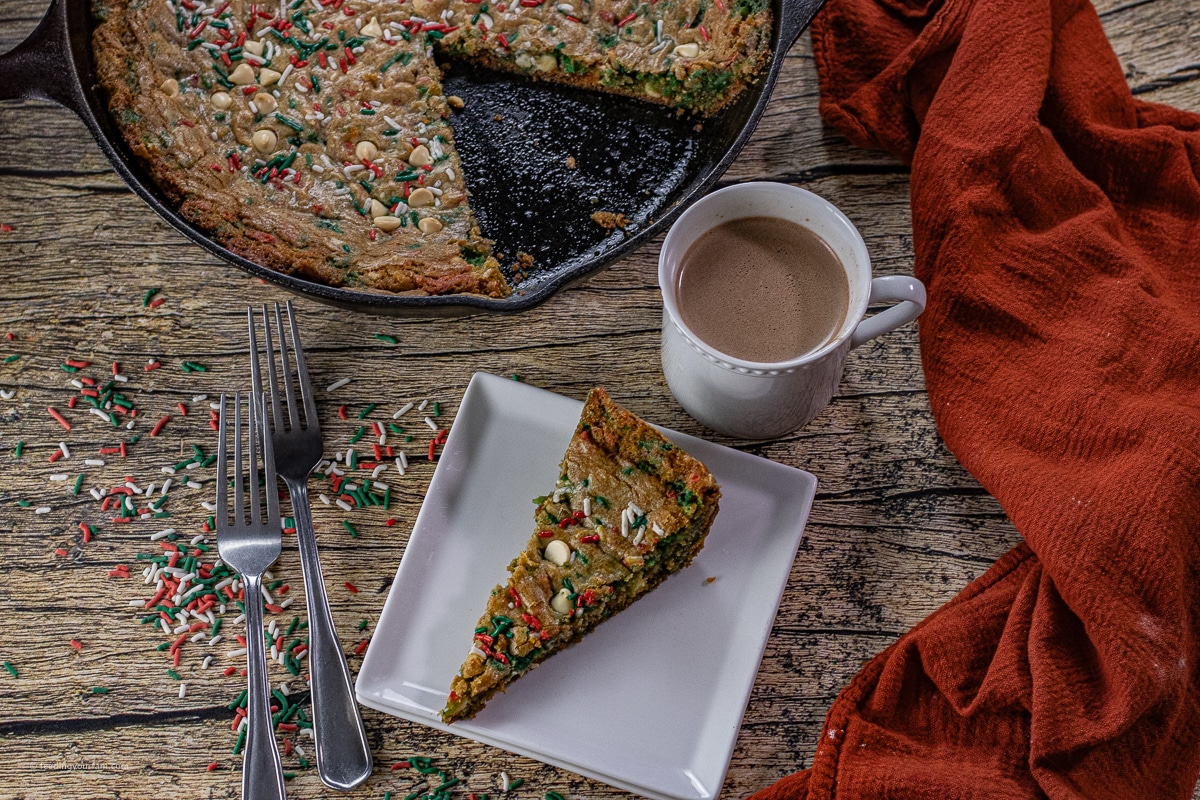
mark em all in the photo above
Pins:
pixel 898 527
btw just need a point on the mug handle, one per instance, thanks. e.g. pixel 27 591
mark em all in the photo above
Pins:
pixel 909 294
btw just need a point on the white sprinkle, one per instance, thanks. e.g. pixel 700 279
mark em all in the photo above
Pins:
pixel 403 461
pixel 215 639
pixel 380 485
pixel 163 624
pixel 641 534
pixel 241 651
pixel 59 477
pixel 150 488
pixel 94 492
pixel 199 637
pixel 274 653
pixel 504 781
pixel 587 506
pixel 324 498
pixel 66 451
pixel 342 504
pixel 625 523
pixel 253 59
pixel 287 73
pixel 424 403
pixel 215 406
pixel 194 485
pixel 76 383
pixel 193 465
pixel 166 485
pixel 9 395
pixel 208 506
pixel 99 413
pixel 287 602
pixel 391 122
pixel 200 398
pixel 94 462
pixel 399 467
pixel 198 539
pixel 432 425
pixel 130 424
pixel 475 651
pixel 183 690
pixel 207 660
pixel 403 410
pixel 339 384
pixel 42 510
pixel 378 469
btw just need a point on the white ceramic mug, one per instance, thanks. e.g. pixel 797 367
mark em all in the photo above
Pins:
pixel 755 400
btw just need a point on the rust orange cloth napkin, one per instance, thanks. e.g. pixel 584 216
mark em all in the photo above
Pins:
pixel 1057 226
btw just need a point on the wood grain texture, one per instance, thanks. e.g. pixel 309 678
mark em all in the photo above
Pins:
pixel 897 529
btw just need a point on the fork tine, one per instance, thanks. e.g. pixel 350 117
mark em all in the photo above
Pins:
pixel 272 489
pixel 306 393
pixel 253 434
pixel 293 418
pixel 255 375
pixel 239 491
pixel 272 377
pixel 222 473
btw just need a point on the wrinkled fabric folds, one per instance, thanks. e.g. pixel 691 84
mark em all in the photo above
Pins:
pixel 1056 224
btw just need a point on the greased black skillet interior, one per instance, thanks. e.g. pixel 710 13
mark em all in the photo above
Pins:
pixel 514 137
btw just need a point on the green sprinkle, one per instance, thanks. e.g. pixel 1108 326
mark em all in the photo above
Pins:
pixel 11 669
pixel 346 524
pixel 446 785
pixel 99 690
pixel 20 449
pixel 78 484
pixel 362 414
pixel 241 698
pixel 241 740
pixel 193 366
pixel 387 498
pixel 24 503
pixel 383 337
pixel 553 796
pixel 437 409
pixel 515 784
pixel 150 296
pixel 291 123
pixel 394 428
pixel 12 358
pixel 362 624
pixel 515 377
pixel 68 368
pixel 358 434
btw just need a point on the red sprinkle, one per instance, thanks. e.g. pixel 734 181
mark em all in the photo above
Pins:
pixel 358 651
pixel 76 644
pixel 351 587
pixel 59 417
pixel 61 552
pixel 213 766
pixel 158 301
pixel 591 537
pixel 545 534
pixel 627 20
pixel 390 522
pixel 401 765
pixel 55 456
pixel 342 412
pixel 153 365
pixel 157 429
pixel 71 403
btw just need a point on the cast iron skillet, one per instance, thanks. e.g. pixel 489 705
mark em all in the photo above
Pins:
pixel 514 137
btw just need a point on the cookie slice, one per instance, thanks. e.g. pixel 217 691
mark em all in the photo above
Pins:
pixel 628 509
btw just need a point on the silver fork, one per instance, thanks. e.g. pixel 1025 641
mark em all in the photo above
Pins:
pixel 250 546
pixel 343 756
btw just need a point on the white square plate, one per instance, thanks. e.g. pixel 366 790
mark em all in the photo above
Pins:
pixel 652 700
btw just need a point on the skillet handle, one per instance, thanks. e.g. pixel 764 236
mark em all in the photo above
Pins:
pixel 41 66
pixel 797 14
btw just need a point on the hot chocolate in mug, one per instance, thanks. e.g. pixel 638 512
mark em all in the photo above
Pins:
pixel 756 399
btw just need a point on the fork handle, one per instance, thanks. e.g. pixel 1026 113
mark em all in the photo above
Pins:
pixel 262 773
pixel 343 756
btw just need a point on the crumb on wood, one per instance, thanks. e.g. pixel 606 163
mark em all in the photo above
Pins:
pixel 610 221
pixel 570 162
pixel 455 102
pixel 498 118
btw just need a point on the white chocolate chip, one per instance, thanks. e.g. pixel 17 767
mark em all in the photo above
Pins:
pixel 420 198
pixel 387 224
pixel 265 102
pixel 688 50
pixel 557 551
pixel 268 77
pixel 429 225
pixel 242 75
pixel 561 602
pixel 372 29
pixel 169 87
pixel 264 140
pixel 377 209
pixel 253 46
pixel 546 62
pixel 366 151
pixel 485 21
pixel 419 157
pixel 221 100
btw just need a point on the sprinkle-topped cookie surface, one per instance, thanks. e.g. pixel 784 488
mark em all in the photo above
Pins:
pixel 628 509
pixel 312 136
